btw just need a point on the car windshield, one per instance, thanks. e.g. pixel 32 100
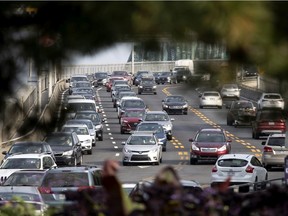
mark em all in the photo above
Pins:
pixel 141 140
pixel 175 99
pixel 276 141
pixel 156 117
pixel 94 117
pixel 80 121
pixel 78 130
pixel 119 73
pixel 59 140
pixel 26 149
pixel 83 84
pixel 24 179
pixel 134 113
pixel 22 163
pixel 151 127
pixel 134 104
pixel 100 75
pixel 230 86
pixel 81 106
pixel 84 90
pixel 66 179
pixel 232 162
pixel 147 82
pixel 210 137
pixel 128 93
pixel 75 79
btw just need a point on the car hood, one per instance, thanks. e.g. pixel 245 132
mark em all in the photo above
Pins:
pixel 140 147
pixel 209 144
pixel 175 103
pixel 148 85
pixel 132 119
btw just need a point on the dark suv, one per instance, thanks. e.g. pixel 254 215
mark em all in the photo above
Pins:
pixel 181 75
pixel 268 122
pixel 147 85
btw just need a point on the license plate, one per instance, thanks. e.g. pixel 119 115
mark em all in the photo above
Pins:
pixel 271 123
pixel 208 149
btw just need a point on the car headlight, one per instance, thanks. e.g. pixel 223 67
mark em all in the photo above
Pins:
pixel 194 147
pixel 154 87
pixel 126 150
pixel 168 79
pixel 223 148
pixel 68 152
pixel 140 86
pixel 153 150
pixel 165 105
pixel 168 126
pixel 93 133
pixel 185 105
pixel 98 127
pixel 184 77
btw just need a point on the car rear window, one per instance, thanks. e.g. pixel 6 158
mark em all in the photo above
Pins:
pixel 276 141
pixel 211 94
pixel 271 115
pixel 66 179
pixel 272 97
pixel 243 105
pixel 210 137
pixel 232 163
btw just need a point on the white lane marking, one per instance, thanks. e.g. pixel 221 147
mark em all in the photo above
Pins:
pixel 111 138
pixel 110 134
pixel 107 125
pixel 117 154
pixel 108 129
pixel 143 167
pixel 114 142
pixel 116 147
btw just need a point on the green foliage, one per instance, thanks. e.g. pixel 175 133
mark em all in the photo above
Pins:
pixel 17 207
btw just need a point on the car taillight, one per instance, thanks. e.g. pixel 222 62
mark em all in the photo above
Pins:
pixel 214 169
pixel 249 169
pixel 45 190
pixel 267 149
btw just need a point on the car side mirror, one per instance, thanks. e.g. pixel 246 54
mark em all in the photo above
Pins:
pixel 190 140
pixel 4 152
pixel 46 167
pixel 172 119
pixel 162 100
pixel 229 140
pixel 78 144
pixel 263 143
pixel 122 143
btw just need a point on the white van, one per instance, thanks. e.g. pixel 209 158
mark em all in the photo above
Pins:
pixel 75 105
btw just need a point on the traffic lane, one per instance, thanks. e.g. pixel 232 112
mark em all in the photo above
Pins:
pixel 241 136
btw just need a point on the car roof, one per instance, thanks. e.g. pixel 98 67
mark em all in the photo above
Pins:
pixel 141 133
pixel 73 169
pixel 236 155
pixel 277 135
pixel 75 125
pixel 81 100
pixel 156 112
pixel 30 143
pixel 30 155
pixel 30 171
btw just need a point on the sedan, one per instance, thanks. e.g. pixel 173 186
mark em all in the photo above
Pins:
pixel 270 101
pixel 209 144
pixel 142 147
pixel 230 91
pixel 175 104
pixel 130 119
pixel 66 147
pixel 240 168
pixel 210 99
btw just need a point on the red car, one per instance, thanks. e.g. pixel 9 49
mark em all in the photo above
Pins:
pixel 268 122
pixel 110 82
pixel 123 74
pixel 130 119
pixel 209 144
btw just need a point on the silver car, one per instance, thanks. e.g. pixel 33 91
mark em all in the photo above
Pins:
pixel 274 151
pixel 271 101
pixel 162 118
pixel 230 90
pixel 142 147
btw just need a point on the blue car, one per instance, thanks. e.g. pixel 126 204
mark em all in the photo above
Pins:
pixel 157 128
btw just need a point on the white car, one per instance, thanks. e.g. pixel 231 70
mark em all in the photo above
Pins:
pixel 210 99
pixel 83 134
pixel 162 118
pixel 25 161
pixel 230 91
pixel 270 101
pixel 142 147
pixel 241 168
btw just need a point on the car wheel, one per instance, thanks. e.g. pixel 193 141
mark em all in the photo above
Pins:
pixel 257 135
pixel 185 113
pixel 164 149
pixel 219 107
pixel 90 152
pixel 200 106
pixel 139 93
pixel 193 161
pixel 75 161
pixel 121 131
pixel 169 137
pixel 160 160
pixel 80 160
pixel 124 163
pixel 155 93
pixel 267 167
pixel 94 143
pixel 100 138
pixel 229 122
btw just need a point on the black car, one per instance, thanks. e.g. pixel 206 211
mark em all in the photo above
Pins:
pixel 138 77
pixel 100 78
pixel 175 104
pixel 163 77
pixel 95 118
pixel 28 147
pixel 241 113
pixel 147 85
pixel 66 147
pixel 181 75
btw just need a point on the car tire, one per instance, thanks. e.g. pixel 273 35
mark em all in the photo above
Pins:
pixel 155 93
pixel 229 122
pixel 193 161
pixel 200 106
pixel 121 131
pixel 257 135
pixel 267 167
pixel 164 149
pixel 169 137
pixel 124 163
pixel 139 93
pixel 219 107
pixel 90 152
pixel 81 160
pixel 186 113
pixel 75 161
pixel 100 138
